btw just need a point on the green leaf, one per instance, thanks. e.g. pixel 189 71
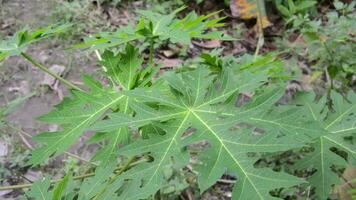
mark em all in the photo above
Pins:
pixel 124 70
pixel 107 39
pixel 93 185
pixel 60 188
pixel 194 102
pixel 153 25
pixel 22 39
pixel 75 115
pixel 339 124
pixel 39 190
pixel 123 67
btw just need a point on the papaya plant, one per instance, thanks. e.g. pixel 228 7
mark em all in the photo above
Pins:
pixel 153 126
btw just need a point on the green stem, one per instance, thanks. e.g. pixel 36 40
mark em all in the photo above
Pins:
pixel 45 69
pixel 150 58
pixel 259 45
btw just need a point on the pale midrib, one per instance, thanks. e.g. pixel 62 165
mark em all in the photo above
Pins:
pixel 341 145
pixel 115 73
pixel 120 129
pixel 242 112
pixel 322 162
pixel 280 124
pixel 169 146
pixel 254 145
pixel 222 96
pixel 85 121
pixel 157 118
pixel 227 150
pixel 198 90
pixel 118 125
pixel 42 195
pixel 338 118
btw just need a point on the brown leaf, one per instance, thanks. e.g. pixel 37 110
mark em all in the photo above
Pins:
pixel 170 62
pixel 168 53
pixel 250 9
pixel 211 44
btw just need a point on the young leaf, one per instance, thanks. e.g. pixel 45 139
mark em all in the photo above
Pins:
pixel 165 27
pixel 22 39
pixel 60 188
pixel 124 70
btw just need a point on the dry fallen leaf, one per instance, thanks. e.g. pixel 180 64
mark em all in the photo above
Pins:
pixel 211 44
pixel 250 9
pixel 168 53
pixel 170 62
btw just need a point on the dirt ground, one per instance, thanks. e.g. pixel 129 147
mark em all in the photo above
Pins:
pixel 18 78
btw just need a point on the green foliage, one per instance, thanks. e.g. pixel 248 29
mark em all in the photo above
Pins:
pixel 148 124
pixel 154 26
pixel 291 9
pixel 42 190
pixel 341 130
pixel 332 46
pixel 76 115
pixel 327 45
pixel 352 192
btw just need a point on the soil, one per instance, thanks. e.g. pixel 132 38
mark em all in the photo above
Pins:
pixel 19 78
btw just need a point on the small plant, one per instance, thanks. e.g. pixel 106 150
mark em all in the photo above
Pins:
pixel 149 125
pixel 328 46
pixel 293 10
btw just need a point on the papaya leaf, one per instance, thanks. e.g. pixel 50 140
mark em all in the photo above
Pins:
pixel 22 39
pixel 75 115
pixel 165 27
pixel 209 109
pixel 39 190
pixel 340 124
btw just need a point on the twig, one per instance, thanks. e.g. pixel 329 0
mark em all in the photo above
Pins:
pixel 226 181
pixel 260 41
pixel 150 58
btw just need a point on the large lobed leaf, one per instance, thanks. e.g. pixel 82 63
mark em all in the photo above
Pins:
pixel 340 124
pixel 194 102
pixel 75 116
